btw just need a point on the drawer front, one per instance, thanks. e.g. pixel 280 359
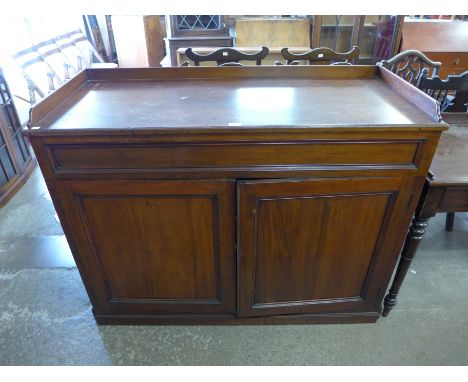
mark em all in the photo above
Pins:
pixel 450 71
pixel 455 199
pixel 452 62
pixel 235 157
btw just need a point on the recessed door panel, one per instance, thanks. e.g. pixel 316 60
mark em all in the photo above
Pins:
pixel 311 246
pixel 305 246
pixel 162 247
pixel 156 246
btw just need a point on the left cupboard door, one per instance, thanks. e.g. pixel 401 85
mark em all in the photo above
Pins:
pixel 152 247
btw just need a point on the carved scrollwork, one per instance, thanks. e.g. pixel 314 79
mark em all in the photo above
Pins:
pixel 227 55
pixel 321 55
pixel 410 64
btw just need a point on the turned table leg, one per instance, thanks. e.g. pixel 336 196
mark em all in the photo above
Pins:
pixel 449 220
pixel 413 239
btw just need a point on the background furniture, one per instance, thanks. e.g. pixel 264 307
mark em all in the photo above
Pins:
pixel 378 37
pixel 16 162
pixel 320 56
pixel 409 65
pixel 445 190
pixel 225 56
pixel 138 41
pixel 240 203
pixel 272 32
pixel 273 56
pixel 189 31
pixel 452 93
pixel 50 63
pixel 452 96
pixel 444 41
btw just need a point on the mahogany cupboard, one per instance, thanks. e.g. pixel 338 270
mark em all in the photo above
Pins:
pixel 236 194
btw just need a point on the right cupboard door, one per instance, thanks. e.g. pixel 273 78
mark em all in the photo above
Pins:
pixel 320 246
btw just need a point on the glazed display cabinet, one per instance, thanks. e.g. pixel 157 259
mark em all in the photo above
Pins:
pixel 196 31
pixel 16 162
pixel 378 36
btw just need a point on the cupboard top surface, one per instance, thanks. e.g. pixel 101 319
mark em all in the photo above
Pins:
pixel 284 98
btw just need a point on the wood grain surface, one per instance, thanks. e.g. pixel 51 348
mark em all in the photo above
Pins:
pixel 294 214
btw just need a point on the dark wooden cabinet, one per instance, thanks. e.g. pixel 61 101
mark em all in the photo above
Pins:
pixel 155 246
pixel 443 41
pixel 189 31
pixel 241 203
pixel 16 162
pixel 378 36
pixel 311 246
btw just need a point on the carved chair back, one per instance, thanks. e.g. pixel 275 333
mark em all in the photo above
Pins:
pixel 321 56
pixel 38 72
pixel 51 63
pixel 409 65
pixel 226 56
pixel 452 93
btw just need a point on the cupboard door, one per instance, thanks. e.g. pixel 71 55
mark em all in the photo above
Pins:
pixel 153 247
pixel 318 246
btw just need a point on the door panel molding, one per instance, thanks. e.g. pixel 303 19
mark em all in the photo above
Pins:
pixel 186 253
pixel 373 208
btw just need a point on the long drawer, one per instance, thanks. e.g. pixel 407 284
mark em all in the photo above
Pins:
pixel 221 158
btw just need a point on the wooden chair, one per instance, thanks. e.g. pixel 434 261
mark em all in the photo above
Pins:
pixel 321 56
pixel 452 96
pixel 52 55
pixel 74 53
pixel 226 57
pixel 452 93
pixel 39 74
pixel 51 63
pixel 409 65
